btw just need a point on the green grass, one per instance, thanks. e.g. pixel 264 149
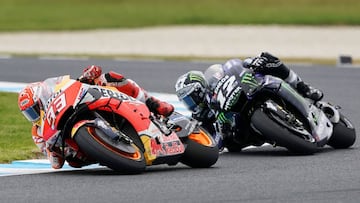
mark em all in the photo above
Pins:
pixel 16 15
pixel 15 131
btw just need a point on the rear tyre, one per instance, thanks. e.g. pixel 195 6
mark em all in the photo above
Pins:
pixel 96 144
pixel 275 132
pixel 201 150
pixel 344 134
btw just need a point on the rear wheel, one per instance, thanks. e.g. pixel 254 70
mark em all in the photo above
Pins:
pixel 117 155
pixel 201 150
pixel 343 135
pixel 275 131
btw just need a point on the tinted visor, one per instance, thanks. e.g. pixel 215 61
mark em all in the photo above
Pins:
pixel 193 100
pixel 32 113
pixel 189 103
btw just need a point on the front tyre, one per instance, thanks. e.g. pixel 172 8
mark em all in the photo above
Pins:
pixel 344 134
pixel 201 150
pixel 96 144
pixel 279 134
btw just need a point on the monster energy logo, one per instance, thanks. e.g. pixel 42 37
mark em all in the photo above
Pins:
pixel 249 79
pixel 195 77
pixel 222 118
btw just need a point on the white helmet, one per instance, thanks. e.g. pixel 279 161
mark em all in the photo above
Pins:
pixel 213 74
pixel 191 89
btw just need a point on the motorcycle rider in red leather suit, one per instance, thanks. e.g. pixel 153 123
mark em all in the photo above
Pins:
pixel 30 105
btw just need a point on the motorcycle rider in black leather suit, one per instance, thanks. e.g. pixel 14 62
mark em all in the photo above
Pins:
pixel 195 90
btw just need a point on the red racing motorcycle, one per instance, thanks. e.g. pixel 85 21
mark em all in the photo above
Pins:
pixel 99 124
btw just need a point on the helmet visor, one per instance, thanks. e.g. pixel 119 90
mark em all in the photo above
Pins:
pixel 189 103
pixel 193 100
pixel 32 113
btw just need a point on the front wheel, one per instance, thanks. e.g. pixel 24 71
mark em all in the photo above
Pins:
pixel 280 135
pixel 343 135
pixel 201 150
pixel 116 155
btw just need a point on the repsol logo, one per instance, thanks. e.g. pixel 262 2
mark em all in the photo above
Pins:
pixel 116 94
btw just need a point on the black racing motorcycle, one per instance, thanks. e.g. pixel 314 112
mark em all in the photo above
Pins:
pixel 266 109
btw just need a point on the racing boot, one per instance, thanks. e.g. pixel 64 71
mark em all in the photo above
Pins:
pixel 304 89
pixel 159 107
pixel 309 92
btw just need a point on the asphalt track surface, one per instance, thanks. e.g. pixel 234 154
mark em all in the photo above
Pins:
pixel 256 175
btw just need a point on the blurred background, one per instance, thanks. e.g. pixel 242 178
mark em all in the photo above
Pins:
pixel 247 28
pixel 20 15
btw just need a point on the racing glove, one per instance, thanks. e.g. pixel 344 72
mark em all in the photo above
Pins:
pixel 265 63
pixel 90 73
